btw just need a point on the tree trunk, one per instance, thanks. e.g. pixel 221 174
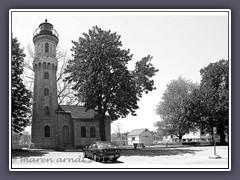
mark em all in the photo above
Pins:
pixel 180 139
pixel 222 137
pixel 102 127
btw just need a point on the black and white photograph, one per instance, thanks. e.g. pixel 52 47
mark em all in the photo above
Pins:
pixel 120 89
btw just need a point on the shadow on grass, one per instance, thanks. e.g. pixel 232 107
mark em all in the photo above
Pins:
pixel 157 152
pixel 20 153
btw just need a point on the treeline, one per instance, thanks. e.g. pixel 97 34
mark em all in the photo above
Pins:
pixel 186 106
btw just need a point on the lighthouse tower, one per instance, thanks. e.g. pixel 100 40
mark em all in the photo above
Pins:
pixel 44 122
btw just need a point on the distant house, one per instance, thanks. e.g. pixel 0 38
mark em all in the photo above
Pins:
pixel 140 136
pixel 197 136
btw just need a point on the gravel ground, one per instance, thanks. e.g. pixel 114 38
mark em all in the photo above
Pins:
pixel 149 158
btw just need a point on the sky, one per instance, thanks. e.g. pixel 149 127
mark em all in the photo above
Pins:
pixel 181 44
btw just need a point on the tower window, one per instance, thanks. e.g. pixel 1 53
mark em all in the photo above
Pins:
pixel 46 110
pixel 46 47
pixel 46 131
pixel 83 131
pixel 46 75
pixel 38 48
pixel 54 50
pixel 92 132
pixel 46 92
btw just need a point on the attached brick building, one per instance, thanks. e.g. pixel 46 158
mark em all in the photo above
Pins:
pixel 54 125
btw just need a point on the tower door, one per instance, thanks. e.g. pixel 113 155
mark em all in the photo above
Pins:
pixel 65 135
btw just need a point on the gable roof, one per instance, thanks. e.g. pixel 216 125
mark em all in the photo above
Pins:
pixel 135 132
pixel 78 112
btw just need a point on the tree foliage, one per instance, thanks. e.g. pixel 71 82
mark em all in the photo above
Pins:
pixel 203 108
pixel 173 109
pixel 20 95
pixel 212 99
pixel 101 77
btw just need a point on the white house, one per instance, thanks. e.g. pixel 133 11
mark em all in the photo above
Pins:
pixel 140 136
pixel 197 136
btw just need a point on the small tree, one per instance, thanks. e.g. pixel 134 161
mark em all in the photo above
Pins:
pixel 162 129
pixel 157 135
pixel 20 95
pixel 176 119
pixel 101 77
pixel 120 137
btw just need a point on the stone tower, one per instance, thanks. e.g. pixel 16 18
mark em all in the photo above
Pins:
pixel 44 122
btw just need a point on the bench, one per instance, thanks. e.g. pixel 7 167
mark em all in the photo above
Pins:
pixel 138 145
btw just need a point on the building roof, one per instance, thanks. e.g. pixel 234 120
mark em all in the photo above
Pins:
pixel 78 112
pixel 135 132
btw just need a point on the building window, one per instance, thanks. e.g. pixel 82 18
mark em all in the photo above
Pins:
pixel 46 110
pixel 46 92
pixel 46 131
pixel 46 47
pixel 133 138
pixel 46 75
pixel 54 50
pixel 92 132
pixel 83 131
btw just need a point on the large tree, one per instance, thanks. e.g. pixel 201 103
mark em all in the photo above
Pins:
pixel 20 95
pixel 214 96
pixel 175 116
pixel 102 79
pixel 208 106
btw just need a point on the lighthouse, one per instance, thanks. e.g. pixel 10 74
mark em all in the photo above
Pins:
pixel 56 126
pixel 44 120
